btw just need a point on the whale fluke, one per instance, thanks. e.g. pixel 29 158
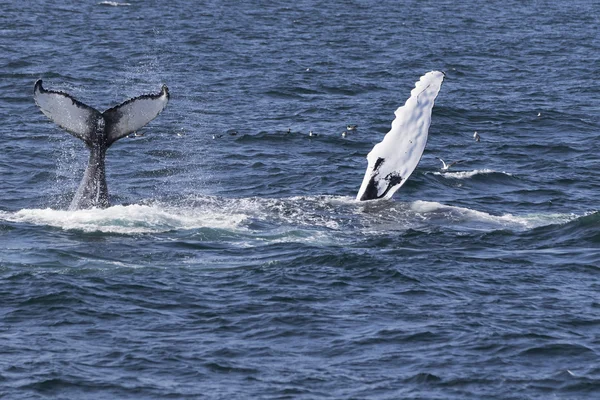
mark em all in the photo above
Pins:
pixel 133 114
pixel 67 112
pixel 394 159
pixel 99 131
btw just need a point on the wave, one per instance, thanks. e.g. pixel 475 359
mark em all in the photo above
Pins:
pixel 467 218
pixel 579 231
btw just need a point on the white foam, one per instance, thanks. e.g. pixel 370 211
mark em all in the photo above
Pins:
pixel 131 219
pixel 465 216
pixel 318 220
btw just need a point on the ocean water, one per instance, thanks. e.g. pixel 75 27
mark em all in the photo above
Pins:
pixel 242 266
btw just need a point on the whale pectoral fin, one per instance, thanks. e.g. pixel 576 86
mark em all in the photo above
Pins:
pixel 369 190
pixel 372 186
pixel 133 114
pixel 67 112
pixel 393 160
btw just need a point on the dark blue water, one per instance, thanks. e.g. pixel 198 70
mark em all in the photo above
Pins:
pixel 241 266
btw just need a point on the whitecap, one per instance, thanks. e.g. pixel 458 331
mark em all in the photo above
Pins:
pixel 113 3
pixel 470 174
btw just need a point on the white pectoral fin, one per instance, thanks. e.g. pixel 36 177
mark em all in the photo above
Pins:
pixel 133 114
pixel 395 158
pixel 66 111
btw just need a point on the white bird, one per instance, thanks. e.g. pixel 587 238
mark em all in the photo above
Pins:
pixel 445 166
pixel 351 127
pixel 476 136
pixel 311 134
pixel 344 134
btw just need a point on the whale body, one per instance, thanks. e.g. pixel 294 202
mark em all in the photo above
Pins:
pixel 394 159
pixel 98 131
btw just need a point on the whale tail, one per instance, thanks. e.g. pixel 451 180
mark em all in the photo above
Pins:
pixel 99 131
pixel 91 126
pixel 133 114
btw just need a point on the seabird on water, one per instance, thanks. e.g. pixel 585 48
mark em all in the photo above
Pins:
pixel 476 136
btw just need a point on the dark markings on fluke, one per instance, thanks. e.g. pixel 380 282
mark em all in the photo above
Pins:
pixel 98 131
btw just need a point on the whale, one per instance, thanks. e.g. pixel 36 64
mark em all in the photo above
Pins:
pixel 98 130
pixel 393 160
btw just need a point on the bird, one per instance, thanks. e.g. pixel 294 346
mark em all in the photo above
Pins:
pixel 311 134
pixel 216 136
pixel 445 166
pixel 344 134
pixel 476 136
pixel 289 131
pixel 351 127
pixel 135 134
pixel 539 114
